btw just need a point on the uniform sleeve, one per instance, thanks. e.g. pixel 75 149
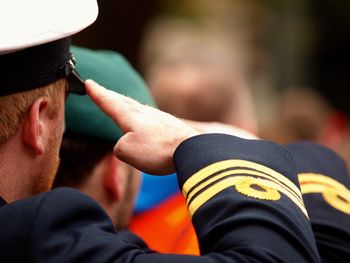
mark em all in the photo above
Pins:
pixel 244 200
pixel 325 185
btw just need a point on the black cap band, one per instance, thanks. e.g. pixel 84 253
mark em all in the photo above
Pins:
pixel 34 67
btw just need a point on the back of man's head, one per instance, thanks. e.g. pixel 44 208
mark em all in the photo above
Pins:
pixel 89 132
pixel 37 71
pixel 34 53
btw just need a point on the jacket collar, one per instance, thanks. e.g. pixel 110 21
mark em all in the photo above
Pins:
pixel 2 202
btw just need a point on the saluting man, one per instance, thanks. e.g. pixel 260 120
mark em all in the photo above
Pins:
pixel 243 195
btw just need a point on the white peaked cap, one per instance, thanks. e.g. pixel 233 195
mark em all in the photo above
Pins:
pixel 27 23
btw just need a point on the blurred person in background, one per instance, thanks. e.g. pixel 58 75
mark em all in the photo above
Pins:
pixel 198 74
pixel 87 160
pixel 302 113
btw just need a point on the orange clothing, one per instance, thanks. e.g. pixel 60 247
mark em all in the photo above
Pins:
pixel 167 227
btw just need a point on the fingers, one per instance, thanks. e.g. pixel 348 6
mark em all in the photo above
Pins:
pixel 115 105
pixel 103 98
pixel 150 136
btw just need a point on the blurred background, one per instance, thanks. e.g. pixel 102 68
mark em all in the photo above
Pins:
pixel 292 58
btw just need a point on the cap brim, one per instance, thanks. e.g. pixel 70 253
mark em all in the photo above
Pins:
pixel 31 23
pixel 76 84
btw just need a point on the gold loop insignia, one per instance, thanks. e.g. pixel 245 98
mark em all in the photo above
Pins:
pixel 333 192
pixel 247 178
pixel 246 185
pixel 339 200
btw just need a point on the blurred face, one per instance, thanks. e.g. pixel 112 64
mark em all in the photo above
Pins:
pixel 196 93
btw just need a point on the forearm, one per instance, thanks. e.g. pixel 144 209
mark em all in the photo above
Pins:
pixel 244 196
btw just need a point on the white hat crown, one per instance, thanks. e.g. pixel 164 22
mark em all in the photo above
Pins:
pixel 26 23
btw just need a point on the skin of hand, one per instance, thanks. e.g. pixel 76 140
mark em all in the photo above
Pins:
pixel 216 127
pixel 150 135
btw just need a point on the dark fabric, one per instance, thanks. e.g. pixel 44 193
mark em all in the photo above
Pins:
pixel 311 157
pixel 34 67
pixel 260 229
pixel 330 224
pixel 2 201
pixel 64 225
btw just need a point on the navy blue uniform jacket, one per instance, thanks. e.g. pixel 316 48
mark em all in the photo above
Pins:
pixel 325 185
pixel 243 196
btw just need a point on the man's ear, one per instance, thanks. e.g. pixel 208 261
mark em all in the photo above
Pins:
pixel 34 128
pixel 113 179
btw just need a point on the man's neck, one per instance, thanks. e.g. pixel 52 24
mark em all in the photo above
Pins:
pixel 15 179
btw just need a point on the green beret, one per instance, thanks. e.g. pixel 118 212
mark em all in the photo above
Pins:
pixel 112 71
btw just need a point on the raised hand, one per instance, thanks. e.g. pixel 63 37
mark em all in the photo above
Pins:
pixel 150 135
